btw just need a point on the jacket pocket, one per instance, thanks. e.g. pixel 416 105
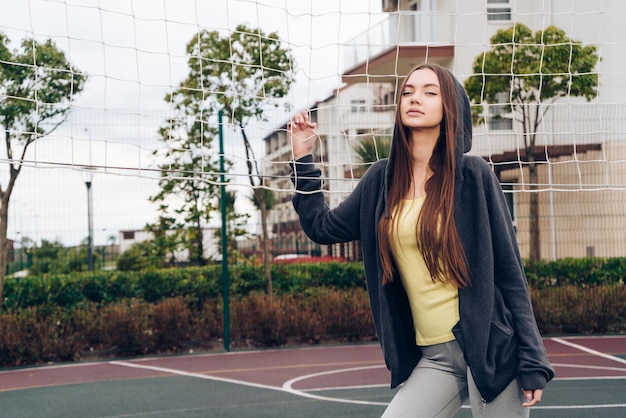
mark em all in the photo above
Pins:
pixel 503 344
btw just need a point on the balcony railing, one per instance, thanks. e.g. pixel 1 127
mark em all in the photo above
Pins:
pixel 404 28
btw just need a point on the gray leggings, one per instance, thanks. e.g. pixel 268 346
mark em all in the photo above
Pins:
pixel 441 383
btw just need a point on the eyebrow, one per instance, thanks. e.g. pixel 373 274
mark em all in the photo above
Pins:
pixel 423 86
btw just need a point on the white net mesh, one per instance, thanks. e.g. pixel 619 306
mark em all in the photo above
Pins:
pixel 348 58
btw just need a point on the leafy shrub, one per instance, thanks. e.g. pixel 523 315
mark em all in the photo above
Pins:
pixel 31 336
pixel 196 284
pixel 125 329
pixel 576 310
pixel 135 327
pixel 67 317
pixel 171 324
pixel 590 271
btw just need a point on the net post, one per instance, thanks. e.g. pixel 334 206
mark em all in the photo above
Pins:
pixel 225 295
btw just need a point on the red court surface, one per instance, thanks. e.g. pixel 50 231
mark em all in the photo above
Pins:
pixel 588 357
pixel 264 367
pixel 307 382
pixel 309 368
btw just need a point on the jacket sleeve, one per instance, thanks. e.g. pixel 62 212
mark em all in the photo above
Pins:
pixel 319 222
pixel 534 369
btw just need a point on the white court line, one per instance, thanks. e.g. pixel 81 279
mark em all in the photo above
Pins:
pixel 288 387
pixel 385 385
pixel 581 366
pixel 589 350
pixel 616 405
pixel 285 388
pixel 196 375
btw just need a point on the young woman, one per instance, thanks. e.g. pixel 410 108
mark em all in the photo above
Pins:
pixel 446 285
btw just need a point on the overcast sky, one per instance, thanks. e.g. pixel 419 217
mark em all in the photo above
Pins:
pixel 134 53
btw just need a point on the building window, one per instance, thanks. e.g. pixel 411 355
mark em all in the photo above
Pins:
pixel 414 5
pixel 500 117
pixel 390 6
pixel 389 98
pixel 500 124
pixel 498 10
pixel 357 106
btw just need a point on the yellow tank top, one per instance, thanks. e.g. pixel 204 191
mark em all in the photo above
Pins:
pixel 434 305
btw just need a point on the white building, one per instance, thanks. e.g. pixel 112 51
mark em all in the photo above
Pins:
pixel 210 242
pixel 582 182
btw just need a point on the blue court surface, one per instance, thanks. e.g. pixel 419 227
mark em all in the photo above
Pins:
pixel 319 381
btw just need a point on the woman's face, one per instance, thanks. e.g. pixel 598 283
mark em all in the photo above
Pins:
pixel 421 107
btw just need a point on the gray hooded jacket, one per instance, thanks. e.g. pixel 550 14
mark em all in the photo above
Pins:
pixel 497 329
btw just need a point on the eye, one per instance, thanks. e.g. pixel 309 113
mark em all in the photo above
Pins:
pixel 407 93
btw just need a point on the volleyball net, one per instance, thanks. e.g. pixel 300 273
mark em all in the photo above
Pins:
pixel 127 96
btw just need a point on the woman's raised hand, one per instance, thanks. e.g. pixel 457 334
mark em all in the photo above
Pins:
pixel 302 133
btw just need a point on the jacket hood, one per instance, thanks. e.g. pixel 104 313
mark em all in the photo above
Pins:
pixel 463 142
pixel 464 125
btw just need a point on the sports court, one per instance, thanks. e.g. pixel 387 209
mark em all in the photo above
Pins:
pixel 320 381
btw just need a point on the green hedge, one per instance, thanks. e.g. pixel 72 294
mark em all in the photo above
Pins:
pixel 67 317
pixel 136 327
pixel 196 284
pixel 577 310
pixel 199 284
pixel 582 272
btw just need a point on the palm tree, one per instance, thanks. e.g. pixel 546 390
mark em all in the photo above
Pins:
pixel 264 199
pixel 371 149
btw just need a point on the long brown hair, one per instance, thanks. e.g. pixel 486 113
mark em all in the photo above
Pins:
pixel 436 232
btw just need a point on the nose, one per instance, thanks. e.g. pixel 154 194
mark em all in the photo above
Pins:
pixel 415 99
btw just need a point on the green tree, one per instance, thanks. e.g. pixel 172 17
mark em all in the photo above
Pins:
pixel 160 251
pixel 240 73
pixel 235 227
pixel 37 86
pixel 530 72
pixel 48 258
pixel 77 259
pixel 188 180
pixel 236 222
pixel 264 200
pixel 371 149
pixel 133 259
pixel 52 257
